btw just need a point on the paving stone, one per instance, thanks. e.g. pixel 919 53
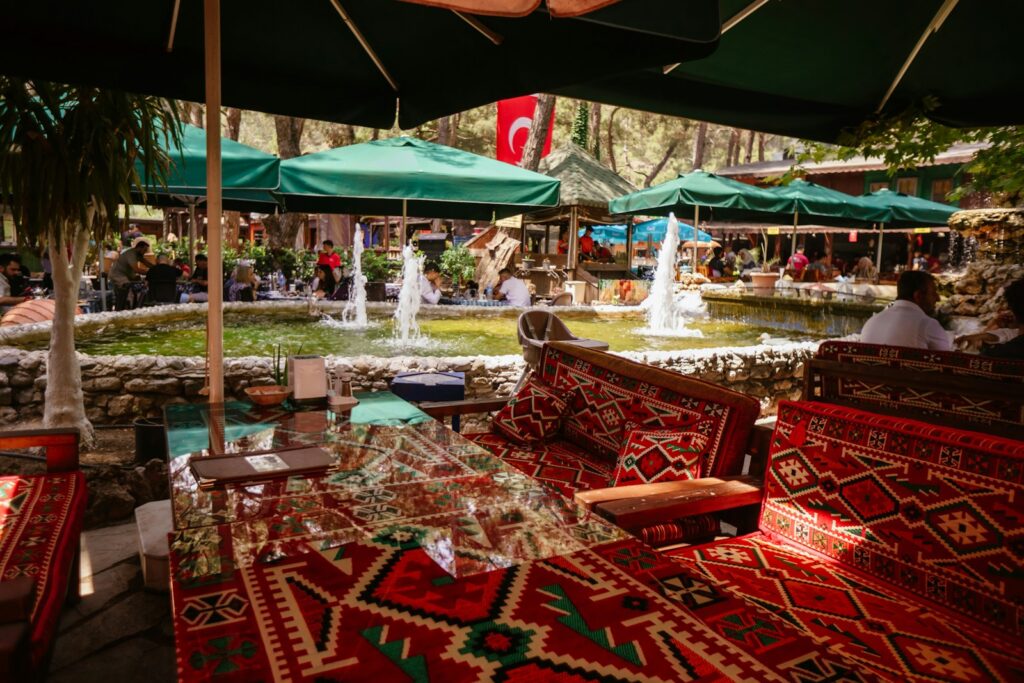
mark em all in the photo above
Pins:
pixel 99 590
pixel 103 548
pixel 132 616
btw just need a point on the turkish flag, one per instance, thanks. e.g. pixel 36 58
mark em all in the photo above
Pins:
pixel 515 116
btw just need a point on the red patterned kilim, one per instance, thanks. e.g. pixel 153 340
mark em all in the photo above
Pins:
pixel 899 541
pixel 381 609
pixel 558 464
pixel 534 414
pixel 653 455
pixel 994 410
pixel 612 391
pixel 40 522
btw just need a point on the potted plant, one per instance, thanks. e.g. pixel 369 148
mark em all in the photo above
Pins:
pixel 764 279
pixel 377 268
pixel 273 394
pixel 459 265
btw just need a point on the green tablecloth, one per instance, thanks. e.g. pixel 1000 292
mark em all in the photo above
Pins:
pixel 188 424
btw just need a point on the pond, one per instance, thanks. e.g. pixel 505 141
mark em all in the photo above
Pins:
pixel 467 333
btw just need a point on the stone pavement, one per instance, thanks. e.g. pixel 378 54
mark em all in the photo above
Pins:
pixel 118 632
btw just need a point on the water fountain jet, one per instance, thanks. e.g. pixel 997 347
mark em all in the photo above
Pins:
pixel 667 315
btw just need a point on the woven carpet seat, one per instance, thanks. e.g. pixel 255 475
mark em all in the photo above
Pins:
pixel 899 544
pixel 40 522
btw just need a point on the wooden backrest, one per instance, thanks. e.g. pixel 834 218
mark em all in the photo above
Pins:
pixel 950 388
pixel 61 446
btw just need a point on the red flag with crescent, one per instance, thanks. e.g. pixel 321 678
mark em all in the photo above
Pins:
pixel 515 116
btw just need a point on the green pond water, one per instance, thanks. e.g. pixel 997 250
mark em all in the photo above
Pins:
pixel 463 335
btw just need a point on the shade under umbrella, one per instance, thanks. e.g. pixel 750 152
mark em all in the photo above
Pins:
pixel 813 69
pixel 387 177
pixel 350 61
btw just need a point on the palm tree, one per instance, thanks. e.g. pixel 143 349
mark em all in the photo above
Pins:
pixel 69 156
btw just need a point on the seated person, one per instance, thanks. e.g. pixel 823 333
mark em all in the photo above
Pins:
pixel 430 284
pixel 865 269
pixel 798 261
pixel 745 260
pixel 163 281
pixel 820 269
pixel 180 264
pixel 716 266
pixel 587 252
pixel 908 321
pixel 329 257
pixel 243 284
pixel 1007 340
pixel 512 289
pixel 126 272
pixel 10 268
pixel 604 254
pixel 323 284
pixel 197 282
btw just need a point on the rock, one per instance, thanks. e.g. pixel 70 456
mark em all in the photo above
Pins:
pixel 108 501
pixel 139 385
pixel 8 361
pixel 102 384
pixel 138 485
pixel 5 396
pixel 120 405
pixel 8 415
pixel 21 379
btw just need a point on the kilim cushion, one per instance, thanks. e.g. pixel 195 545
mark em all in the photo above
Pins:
pixel 533 414
pixel 938 512
pixel 934 405
pixel 613 391
pixel 883 628
pixel 558 464
pixel 653 455
pixel 40 522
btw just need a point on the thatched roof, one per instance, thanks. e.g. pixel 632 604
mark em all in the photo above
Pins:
pixel 585 180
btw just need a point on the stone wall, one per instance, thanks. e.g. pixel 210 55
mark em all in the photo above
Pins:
pixel 121 388
pixel 975 291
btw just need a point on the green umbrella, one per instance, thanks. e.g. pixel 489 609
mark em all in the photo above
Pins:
pixel 825 206
pixel 726 198
pixel 350 61
pixel 811 69
pixel 905 211
pixel 407 175
pixel 248 175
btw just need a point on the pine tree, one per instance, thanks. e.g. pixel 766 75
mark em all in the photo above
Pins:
pixel 581 124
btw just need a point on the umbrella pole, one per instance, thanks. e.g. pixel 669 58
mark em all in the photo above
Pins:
pixel 696 227
pixel 214 321
pixel 574 237
pixel 878 256
pixel 792 247
pixel 193 235
pixel 404 235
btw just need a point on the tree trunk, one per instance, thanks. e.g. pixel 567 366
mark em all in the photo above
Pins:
pixel 342 135
pixel 760 146
pixel 234 121
pixel 289 146
pixel 196 114
pixel 669 151
pixel 538 132
pixel 444 131
pixel 732 155
pixel 64 404
pixel 750 147
pixel 609 146
pixel 594 130
pixel 375 135
pixel 700 145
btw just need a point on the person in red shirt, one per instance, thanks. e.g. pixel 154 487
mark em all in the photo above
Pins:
pixel 329 257
pixel 798 261
pixel 587 245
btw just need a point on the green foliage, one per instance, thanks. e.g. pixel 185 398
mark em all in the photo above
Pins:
pixel 581 124
pixel 909 139
pixel 458 264
pixel 279 364
pixel 376 266
pixel 759 252
pixel 68 154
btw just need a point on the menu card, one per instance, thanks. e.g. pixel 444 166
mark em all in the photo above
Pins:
pixel 237 468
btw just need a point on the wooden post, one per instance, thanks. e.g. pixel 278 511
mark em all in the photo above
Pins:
pixel 878 256
pixel 574 238
pixel 629 245
pixel 215 313
pixel 696 227
pixel 193 235
pixel 828 248
pixel 386 237
pixel 796 218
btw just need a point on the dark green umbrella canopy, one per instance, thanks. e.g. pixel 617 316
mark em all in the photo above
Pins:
pixel 727 199
pixel 302 58
pixel 249 175
pixel 905 211
pixel 813 203
pixel 433 180
pixel 811 69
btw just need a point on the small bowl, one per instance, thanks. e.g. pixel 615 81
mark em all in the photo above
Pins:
pixel 271 395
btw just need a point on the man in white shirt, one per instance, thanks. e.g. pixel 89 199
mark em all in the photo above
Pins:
pixel 512 289
pixel 10 268
pixel 430 289
pixel 908 321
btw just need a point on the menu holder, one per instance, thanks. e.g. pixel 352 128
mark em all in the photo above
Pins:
pixel 216 471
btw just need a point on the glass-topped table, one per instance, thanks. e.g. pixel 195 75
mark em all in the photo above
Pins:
pixel 418 556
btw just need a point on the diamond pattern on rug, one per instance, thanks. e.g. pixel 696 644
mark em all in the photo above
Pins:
pixel 533 414
pixel 649 455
